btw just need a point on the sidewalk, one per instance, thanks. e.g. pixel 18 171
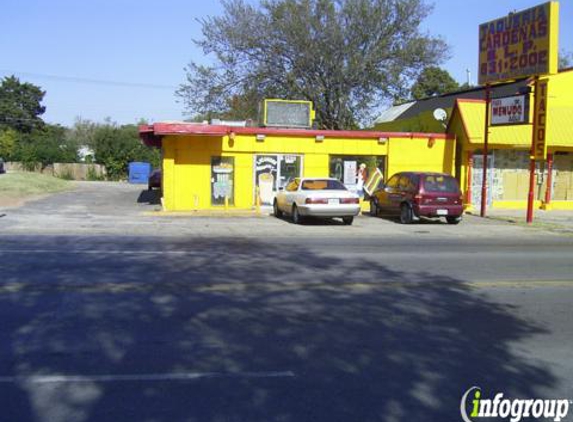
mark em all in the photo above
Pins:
pixel 558 220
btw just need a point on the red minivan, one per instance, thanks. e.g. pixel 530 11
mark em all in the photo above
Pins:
pixel 411 195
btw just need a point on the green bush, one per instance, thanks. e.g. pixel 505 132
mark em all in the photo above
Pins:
pixel 43 147
pixel 93 176
pixel 116 146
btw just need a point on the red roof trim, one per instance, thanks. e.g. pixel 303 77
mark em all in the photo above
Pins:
pixel 162 129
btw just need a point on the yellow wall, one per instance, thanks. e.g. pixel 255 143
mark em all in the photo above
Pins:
pixel 405 154
pixel 187 161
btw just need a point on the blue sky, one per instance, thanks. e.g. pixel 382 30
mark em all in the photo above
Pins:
pixel 148 43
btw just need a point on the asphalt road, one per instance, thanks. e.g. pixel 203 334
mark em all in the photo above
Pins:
pixel 240 329
pixel 254 319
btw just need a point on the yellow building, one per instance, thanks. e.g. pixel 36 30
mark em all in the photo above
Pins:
pixel 509 142
pixel 206 166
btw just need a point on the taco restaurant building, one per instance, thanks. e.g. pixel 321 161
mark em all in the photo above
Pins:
pixel 510 138
pixel 212 166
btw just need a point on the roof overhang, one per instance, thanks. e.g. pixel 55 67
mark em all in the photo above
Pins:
pixel 152 135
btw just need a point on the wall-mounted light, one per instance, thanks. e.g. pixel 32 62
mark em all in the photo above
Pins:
pixel 382 141
pixel 319 138
pixel 231 141
pixel 260 137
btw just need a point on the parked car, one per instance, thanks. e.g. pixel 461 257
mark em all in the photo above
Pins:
pixel 411 195
pixel 316 197
pixel 154 180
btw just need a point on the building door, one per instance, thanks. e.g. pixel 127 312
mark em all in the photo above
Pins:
pixel 274 171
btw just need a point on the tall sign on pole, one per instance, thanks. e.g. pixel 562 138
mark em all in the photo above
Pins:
pixel 520 45
pixel 540 121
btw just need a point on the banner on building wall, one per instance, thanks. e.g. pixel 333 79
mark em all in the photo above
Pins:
pixel 350 171
pixel 520 44
pixel 509 110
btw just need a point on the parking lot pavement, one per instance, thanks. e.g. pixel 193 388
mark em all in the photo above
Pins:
pixel 106 208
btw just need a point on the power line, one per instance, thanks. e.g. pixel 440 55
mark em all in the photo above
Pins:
pixel 75 79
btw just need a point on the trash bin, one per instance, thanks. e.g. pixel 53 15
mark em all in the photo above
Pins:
pixel 139 172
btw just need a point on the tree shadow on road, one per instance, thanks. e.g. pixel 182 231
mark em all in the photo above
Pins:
pixel 361 341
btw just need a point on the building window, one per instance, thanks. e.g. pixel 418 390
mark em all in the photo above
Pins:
pixel 355 171
pixel 222 180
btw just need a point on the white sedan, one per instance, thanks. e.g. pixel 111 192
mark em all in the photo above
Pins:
pixel 316 197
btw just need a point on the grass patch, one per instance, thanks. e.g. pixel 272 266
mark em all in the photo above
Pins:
pixel 20 185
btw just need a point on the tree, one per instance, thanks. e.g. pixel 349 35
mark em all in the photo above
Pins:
pixel 238 107
pixel 433 81
pixel 20 105
pixel 565 60
pixel 44 146
pixel 8 139
pixel 346 56
pixel 116 146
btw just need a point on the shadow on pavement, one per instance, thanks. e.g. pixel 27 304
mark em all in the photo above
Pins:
pixel 151 197
pixel 364 343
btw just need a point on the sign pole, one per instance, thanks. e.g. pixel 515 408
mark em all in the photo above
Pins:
pixel 531 192
pixel 549 184
pixel 485 151
pixel 538 140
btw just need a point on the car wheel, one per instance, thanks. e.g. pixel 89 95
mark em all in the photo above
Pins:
pixel 454 220
pixel 373 208
pixel 278 213
pixel 406 214
pixel 347 220
pixel 296 218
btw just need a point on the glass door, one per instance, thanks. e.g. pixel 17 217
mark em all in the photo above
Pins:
pixel 274 171
pixel 266 174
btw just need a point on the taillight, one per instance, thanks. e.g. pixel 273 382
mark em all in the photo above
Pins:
pixel 316 201
pixel 349 200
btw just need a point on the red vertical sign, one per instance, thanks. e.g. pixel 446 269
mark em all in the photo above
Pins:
pixel 540 121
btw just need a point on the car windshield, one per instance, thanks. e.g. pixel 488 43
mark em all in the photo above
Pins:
pixel 322 184
pixel 438 183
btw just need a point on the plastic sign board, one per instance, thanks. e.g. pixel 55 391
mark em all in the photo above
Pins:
pixel 509 110
pixel 540 121
pixel 373 182
pixel 520 44
pixel 288 114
